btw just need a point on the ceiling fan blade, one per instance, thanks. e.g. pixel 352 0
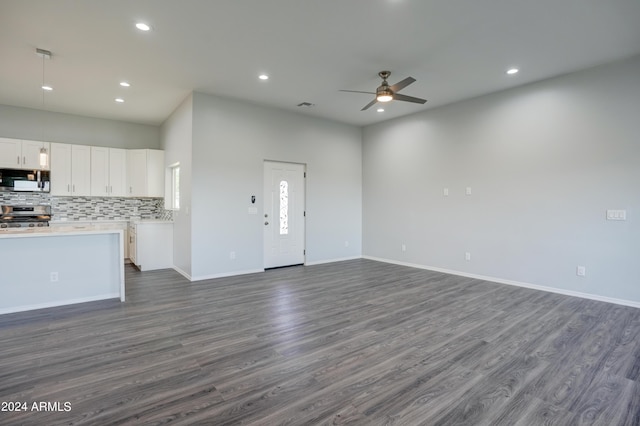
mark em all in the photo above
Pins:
pixel 399 97
pixel 370 104
pixel 357 91
pixel 402 84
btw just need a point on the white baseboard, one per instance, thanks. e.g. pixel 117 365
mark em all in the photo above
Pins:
pixel 225 274
pixel 254 271
pixel 341 259
pixel 181 272
pixel 59 303
pixel 590 296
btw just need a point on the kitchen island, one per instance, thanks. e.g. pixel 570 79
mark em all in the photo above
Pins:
pixel 45 267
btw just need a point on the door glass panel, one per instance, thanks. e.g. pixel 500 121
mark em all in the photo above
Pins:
pixel 284 207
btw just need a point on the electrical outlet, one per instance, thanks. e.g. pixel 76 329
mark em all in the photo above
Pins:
pixel 581 271
pixel 403 247
pixel 467 256
pixel 232 255
pixel 468 190
pixel 53 277
pixel 445 192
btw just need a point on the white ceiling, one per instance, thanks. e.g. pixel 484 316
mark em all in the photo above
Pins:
pixel 456 49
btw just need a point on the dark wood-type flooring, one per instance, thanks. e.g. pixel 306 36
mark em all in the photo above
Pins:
pixel 356 342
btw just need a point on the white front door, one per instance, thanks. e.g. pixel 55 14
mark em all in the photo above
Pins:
pixel 283 214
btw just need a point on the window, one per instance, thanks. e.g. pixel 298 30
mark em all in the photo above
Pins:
pixel 284 207
pixel 175 187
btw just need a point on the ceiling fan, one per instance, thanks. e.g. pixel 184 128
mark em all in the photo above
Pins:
pixel 386 93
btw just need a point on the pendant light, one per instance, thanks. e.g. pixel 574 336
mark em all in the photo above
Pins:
pixel 43 158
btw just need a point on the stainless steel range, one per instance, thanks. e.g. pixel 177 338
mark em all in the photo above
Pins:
pixel 25 216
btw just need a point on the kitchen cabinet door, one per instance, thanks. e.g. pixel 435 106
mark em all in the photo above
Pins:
pixel 80 170
pixel 99 171
pixel 31 154
pixel 117 172
pixel 60 164
pixel 10 153
pixel 155 173
pixel 152 245
pixel 136 172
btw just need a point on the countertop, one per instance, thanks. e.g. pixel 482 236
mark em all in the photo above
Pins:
pixel 55 231
pixel 110 221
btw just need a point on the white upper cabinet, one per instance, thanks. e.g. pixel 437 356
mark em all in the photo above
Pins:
pixel 22 154
pixel 70 169
pixel 108 172
pixel 82 170
pixel 31 154
pixel 118 172
pixel 145 173
pixel 10 153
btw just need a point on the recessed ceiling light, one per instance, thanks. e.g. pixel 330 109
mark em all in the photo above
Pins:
pixel 124 84
pixel 512 71
pixel 263 77
pixel 142 26
pixel 47 88
pixel 119 100
pixel 380 109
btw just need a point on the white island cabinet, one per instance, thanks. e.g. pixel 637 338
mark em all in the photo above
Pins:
pixel 54 267
pixel 151 244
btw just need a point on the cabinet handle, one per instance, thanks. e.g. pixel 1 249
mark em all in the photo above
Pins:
pixel 130 189
pixel 24 160
pixel 74 187
pixel 106 189
pixel 18 159
pixel 111 189
pixel 68 188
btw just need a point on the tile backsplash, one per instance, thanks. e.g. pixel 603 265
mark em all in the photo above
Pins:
pixel 92 208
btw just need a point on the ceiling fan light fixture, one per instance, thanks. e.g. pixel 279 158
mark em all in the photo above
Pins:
pixel 384 95
pixel 142 26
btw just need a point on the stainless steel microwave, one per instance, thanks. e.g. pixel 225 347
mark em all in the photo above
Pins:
pixel 24 180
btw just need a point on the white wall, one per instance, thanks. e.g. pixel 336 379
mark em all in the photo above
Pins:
pixel 176 142
pixel 544 162
pixel 32 124
pixel 231 140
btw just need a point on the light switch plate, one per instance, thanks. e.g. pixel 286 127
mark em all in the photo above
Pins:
pixel 468 190
pixel 616 215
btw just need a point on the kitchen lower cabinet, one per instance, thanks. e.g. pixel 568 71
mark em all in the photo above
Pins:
pixel 151 244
